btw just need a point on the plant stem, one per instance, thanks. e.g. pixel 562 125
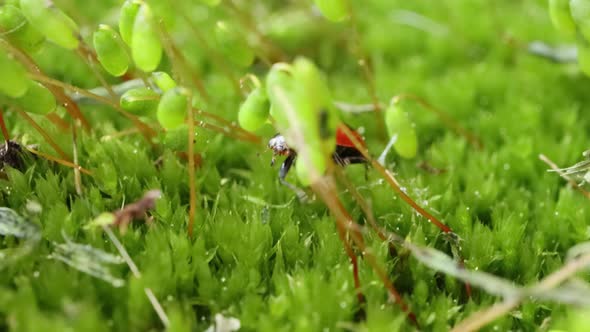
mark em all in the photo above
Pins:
pixel 3 127
pixel 43 133
pixel 191 167
pixel 148 291
pixel 393 182
pixel 70 106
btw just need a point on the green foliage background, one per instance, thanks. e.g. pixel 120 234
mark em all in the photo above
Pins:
pixel 277 264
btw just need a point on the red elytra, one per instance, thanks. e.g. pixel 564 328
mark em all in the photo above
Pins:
pixel 343 140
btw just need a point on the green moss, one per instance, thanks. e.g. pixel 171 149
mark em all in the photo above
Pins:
pixel 273 262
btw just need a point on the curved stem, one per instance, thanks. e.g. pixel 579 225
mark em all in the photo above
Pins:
pixel 59 161
pixel 393 182
pixel 191 168
pixel 3 127
pixel 69 104
pixel 43 133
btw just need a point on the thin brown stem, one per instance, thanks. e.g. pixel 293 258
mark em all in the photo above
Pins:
pixel 393 182
pixel 131 264
pixel 191 168
pixel 70 106
pixel 90 58
pixel 59 161
pixel 483 317
pixel 57 121
pixel 77 177
pixel 3 127
pixel 146 131
pixel 43 133
pixel 327 192
pixel 563 175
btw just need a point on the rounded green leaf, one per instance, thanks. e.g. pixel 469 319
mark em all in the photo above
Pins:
pixel 15 27
pixel 146 47
pixel 163 81
pixel 140 101
pixel 254 111
pixel 14 82
pixel 398 123
pixel 233 44
pixel 580 11
pixel 127 19
pixel 334 10
pixel 172 108
pixel 38 99
pixel 110 51
pixel 51 22
pixel 561 17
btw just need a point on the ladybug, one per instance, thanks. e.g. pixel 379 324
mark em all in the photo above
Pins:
pixel 345 154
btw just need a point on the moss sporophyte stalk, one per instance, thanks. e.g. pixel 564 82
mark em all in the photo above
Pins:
pixel 410 191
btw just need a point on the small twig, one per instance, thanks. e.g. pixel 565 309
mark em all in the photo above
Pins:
pixel 148 291
pixel 191 168
pixel 59 161
pixel 481 318
pixel 69 104
pixel 393 182
pixel 563 175
pixel 43 133
pixel 77 177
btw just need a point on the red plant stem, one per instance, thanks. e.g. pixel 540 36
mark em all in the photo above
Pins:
pixel 344 221
pixel 70 105
pixel 60 161
pixel 43 133
pixel 57 121
pixel 145 130
pixel 393 182
pixel 3 127
pixel 191 168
